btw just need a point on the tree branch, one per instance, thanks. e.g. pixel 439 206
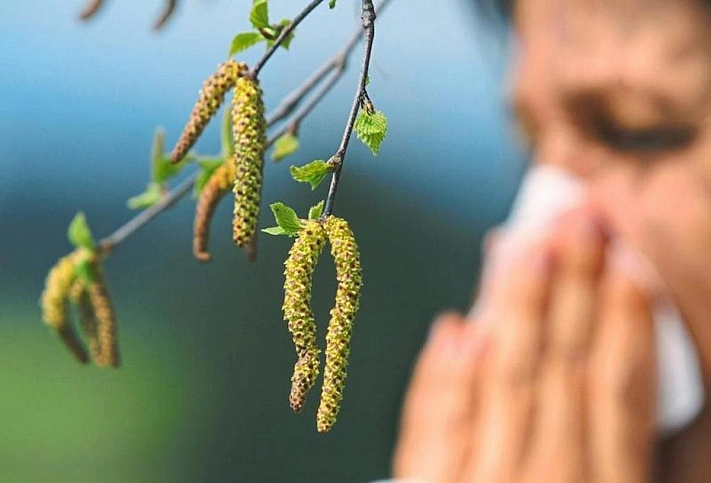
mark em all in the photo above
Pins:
pixel 337 62
pixel 107 244
pixel 336 65
pixel 283 35
pixel 368 21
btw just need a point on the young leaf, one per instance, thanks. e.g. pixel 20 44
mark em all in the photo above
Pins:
pixel 284 146
pixel 243 41
pixel 286 218
pixel 207 167
pixel 275 230
pixel 157 150
pixel 371 129
pixel 85 269
pixel 164 169
pixel 315 212
pixel 331 3
pixel 287 41
pixel 151 196
pixel 79 233
pixel 312 173
pixel 259 16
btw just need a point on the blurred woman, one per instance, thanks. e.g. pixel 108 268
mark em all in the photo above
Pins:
pixel 556 380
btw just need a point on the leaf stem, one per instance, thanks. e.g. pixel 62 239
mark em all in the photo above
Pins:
pixel 283 35
pixel 368 22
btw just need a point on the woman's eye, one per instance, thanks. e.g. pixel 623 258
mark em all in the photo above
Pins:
pixel 653 139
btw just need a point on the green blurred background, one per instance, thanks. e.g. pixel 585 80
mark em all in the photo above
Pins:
pixel 202 394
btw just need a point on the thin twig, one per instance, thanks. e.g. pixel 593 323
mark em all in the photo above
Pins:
pixel 283 35
pixel 291 100
pixel 293 125
pixel 166 14
pixel 172 197
pixel 91 9
pixel 368 21
pixel 338 62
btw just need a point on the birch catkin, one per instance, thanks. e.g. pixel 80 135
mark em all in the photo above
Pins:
pixel 249 129
pixel 106 330
pixel 219 184
pixel 79 295
pixel 210 98
pixel 300 266
pixel 348 273
pixel 55 304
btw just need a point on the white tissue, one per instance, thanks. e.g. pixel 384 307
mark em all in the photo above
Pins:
pixel 548 191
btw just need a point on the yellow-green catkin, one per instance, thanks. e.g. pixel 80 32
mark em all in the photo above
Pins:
pixel 219 184
pixel 55 304
pixel 249 129
pixel 210 98
pixel 299 268
pixel 106 329
pixel 79 295
pixel 348 273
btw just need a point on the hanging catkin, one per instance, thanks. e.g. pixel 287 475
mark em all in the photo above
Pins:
pixel 299 268
pixel 249 130
pixel 106 330
pixel 348 274
pixel 79 295
pixel 55 304
pixel 210 98
pixel 219 184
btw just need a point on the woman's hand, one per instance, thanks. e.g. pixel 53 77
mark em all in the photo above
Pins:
pixel 554 381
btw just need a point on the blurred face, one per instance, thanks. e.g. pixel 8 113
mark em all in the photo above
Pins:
pixel 619 91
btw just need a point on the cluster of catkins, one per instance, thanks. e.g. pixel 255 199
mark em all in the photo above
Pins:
pixel 90 296
pixel 243 171
pixel 300 266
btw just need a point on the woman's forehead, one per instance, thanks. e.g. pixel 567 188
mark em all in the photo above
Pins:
pixel 661 49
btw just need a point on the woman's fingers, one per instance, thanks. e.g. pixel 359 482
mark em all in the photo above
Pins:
pixel 436 424
pixel 518 304
pixel 622 386
pixel 559 441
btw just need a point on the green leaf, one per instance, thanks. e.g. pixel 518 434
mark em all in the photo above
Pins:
pixel 331 3
pixel 162 168
pixel 312 173
pixel 157 148
pixel 284 146
pixel 207 167
pixel 151 196
pixel 259 16
pixel 275 230
pixel 286 218
pixel 243 41
pixel 315 212
pixel 79 233
pixel 371 129
pixel 84 269
pixel 281 26
pixel 226 136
